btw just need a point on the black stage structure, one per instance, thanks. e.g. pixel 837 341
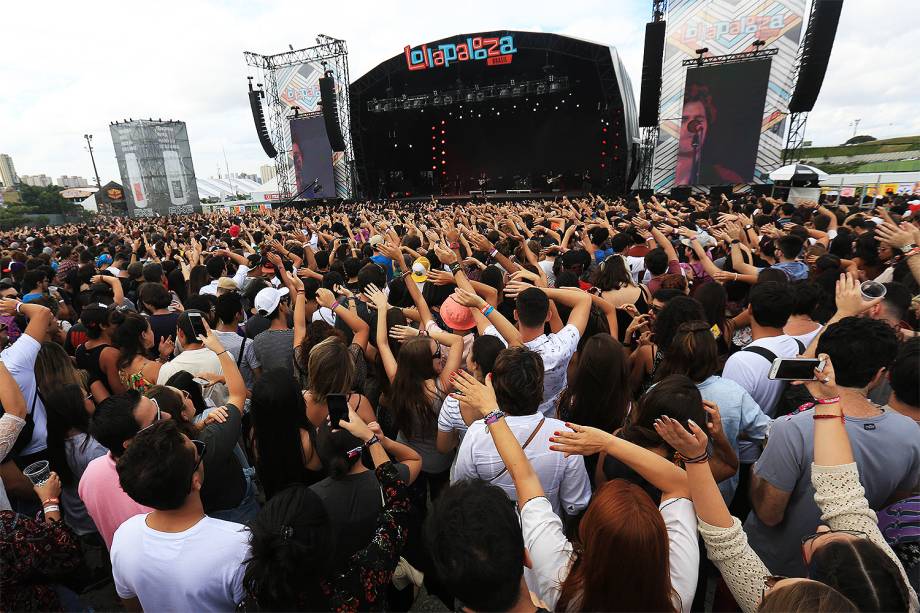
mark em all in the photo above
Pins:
pixel 527 113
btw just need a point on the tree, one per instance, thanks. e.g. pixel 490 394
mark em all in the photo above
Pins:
pixel 862 138
pixel 43 199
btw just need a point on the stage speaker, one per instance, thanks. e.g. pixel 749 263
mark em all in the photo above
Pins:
pixel 652 58
pixel 816 51
pixel 331 112
pixel 255 104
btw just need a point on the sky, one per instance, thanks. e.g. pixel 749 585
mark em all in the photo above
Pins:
pixel 70 68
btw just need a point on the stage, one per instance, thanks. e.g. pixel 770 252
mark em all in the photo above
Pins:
pixel 517 114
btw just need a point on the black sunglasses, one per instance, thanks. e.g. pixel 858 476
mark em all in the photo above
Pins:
pixel 200 447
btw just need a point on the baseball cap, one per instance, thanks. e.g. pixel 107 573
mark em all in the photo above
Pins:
pixel 420 268
pixel 375 240
pixel 14 245
pixel 455 315
pixel 30 239
pixel 103 260
pixel 228 284
pixel 267 299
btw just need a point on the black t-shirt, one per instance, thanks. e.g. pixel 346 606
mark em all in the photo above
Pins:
pixel 256 325
pixel 615 469
pixel 353 504
pixel 224 484
pixel 163 326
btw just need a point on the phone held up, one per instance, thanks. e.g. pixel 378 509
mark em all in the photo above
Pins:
pixel 197 323
pixel 338 409
pixel 795 369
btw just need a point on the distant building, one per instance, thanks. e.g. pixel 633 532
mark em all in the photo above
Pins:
pixel 7 171
pixel 267 172
pixel 68 181
pixel 41 180
pixel 76 195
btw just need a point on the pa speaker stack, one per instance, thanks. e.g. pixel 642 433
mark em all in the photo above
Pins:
pixel 255 105
pixel 816 52
pixel 331 112
pixel 652 58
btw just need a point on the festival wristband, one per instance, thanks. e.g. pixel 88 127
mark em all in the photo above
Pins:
pixel 488 311
pixel 493 417
pixel 335 305
pixel 52 508
pixel 833 400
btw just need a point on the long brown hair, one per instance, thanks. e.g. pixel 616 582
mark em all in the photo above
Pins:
pixel 330 369
pixel 408 397
pixel 53 369
pixel 693 352
pixel 598 393
pixel 623 562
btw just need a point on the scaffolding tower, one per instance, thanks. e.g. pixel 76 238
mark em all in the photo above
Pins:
pixel 332 53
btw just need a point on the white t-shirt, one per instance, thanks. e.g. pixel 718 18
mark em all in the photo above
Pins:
pixel 551 553
pixel 450 418
pixel 751 371
pixel 200 569
pixel 556 350
pixel 19 359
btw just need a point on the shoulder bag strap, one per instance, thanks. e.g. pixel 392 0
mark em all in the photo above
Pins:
pixel 762 352
pixel 523 447
pixel 239 358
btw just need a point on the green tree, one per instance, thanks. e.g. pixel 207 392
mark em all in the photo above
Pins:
pixel 862 138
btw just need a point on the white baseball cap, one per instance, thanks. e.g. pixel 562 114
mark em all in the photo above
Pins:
pixel 267 299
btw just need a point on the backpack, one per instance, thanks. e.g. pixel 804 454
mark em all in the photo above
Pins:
pixel 900 522
pixel 793 397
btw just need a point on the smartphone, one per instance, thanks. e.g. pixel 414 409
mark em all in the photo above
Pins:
pixel 338 409
pixel 795 369
pixel 197 322
pixel 202 382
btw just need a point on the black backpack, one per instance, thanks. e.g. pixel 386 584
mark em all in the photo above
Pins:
pixel 793 396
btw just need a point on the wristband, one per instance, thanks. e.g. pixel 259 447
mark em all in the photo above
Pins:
pixel 703 457
pixel 827 416
pixel 492 253
pixel 48 501
pixel 222 353
pixel 493 417
pixel 371 441
pixel 833 400
pixel 488 311
pixel 455 245
pixel 406 273
pixel 51 508
pixel 335 305
pixel 454 268
pixel 18 306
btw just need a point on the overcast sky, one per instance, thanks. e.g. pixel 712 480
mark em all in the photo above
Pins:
pixel 69 68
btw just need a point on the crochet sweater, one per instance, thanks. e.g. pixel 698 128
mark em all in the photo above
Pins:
pixel 842 500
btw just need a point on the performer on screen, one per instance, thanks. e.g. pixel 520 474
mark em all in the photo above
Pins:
pixel 698 118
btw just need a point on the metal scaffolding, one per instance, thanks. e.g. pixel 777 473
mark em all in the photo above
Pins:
pixel 333 54
pixel 650 134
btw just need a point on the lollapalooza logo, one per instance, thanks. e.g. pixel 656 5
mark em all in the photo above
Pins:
pixel 764 26
pixel 495 51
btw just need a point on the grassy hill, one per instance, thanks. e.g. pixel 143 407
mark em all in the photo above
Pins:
pixel 888 145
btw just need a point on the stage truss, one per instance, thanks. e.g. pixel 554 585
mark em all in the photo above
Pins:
pixel 332 53
pixel 797 121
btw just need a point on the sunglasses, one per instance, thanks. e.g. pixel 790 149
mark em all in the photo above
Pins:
pixel 159 416
pixel 811 537
pixel 200 449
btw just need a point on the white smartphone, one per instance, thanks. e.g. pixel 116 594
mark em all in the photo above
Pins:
pixel 795 369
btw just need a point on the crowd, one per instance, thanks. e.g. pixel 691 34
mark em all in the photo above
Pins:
pixel 551 405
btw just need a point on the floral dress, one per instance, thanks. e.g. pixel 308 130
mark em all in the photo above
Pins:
pixel 33 555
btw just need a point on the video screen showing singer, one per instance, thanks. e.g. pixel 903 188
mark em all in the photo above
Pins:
pixel 720 123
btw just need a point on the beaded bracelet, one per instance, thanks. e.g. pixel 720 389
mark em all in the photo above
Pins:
pixel 493 417
pixel 827 416
pixel 703 457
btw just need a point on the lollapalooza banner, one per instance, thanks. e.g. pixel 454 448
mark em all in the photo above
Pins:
pixel 728 26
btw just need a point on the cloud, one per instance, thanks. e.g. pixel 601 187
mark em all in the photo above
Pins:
pixel 70 68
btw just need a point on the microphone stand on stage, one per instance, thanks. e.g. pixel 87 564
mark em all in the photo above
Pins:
pixel 695 167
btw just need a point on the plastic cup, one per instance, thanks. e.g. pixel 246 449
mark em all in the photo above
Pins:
pixel 38 472
pixel 871 290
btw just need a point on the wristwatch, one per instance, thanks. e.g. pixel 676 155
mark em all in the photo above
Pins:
pixel 907 248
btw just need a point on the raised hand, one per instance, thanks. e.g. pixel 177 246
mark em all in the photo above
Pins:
pixel 468 298
pixel 376 298
pixel 474 395
pixel 849 299
pixel 167 346
pixel 324 297
pixel 690 444
pixel 582 440
pixel 404 333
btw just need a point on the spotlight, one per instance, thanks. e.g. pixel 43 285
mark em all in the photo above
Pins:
pixel 702 51
pixel 757 44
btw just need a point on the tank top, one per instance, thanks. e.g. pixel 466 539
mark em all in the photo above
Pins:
pixel 88 360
